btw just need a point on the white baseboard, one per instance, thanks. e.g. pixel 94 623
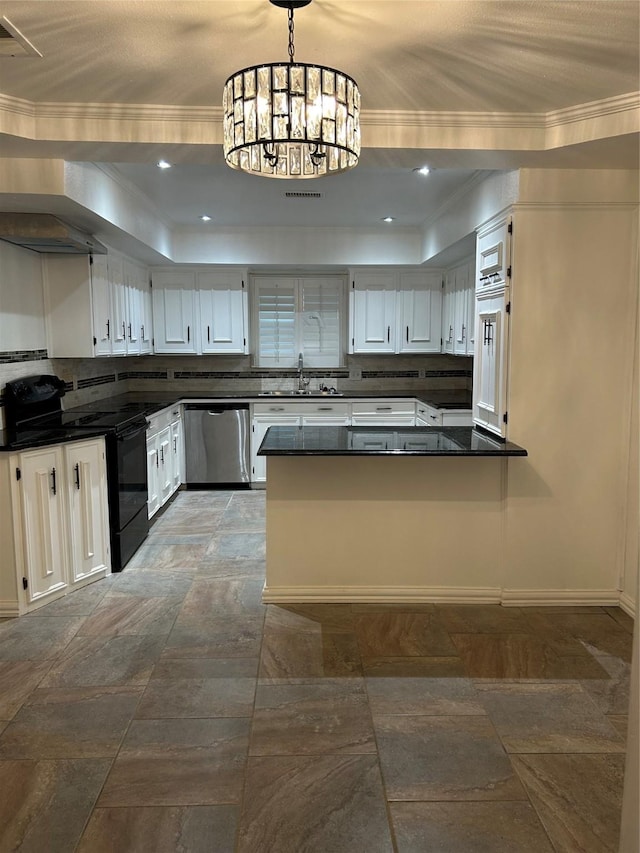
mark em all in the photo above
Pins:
pixel 8 609
pixel 560 597
pixel 628 604
pixel 381 594
pixel 448 595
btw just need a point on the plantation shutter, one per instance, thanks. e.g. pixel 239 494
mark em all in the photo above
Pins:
pixel 298 315
pixel 320 321
pixel 276 306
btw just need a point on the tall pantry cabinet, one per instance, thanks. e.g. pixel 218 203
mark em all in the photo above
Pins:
pixel 493 306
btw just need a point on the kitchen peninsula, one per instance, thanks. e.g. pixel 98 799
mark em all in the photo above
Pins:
pixel 385 514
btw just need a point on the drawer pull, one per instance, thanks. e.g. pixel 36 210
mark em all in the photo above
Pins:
pixel 276 408
pixel 325 408
pixel 384 409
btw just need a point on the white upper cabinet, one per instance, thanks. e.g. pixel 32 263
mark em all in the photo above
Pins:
pixel 102 316
pixel 115 266
pixel 89 309
pixel 419 309
pixel 493 256
pixel 395 311
pixel 139 327
pixel 223 312
pixel 373 313
pixel 200 311
pixel 174 311
pixel 458 310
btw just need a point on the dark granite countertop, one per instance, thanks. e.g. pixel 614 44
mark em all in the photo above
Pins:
pixel 30 439
pixel 145 403
pixel 383 441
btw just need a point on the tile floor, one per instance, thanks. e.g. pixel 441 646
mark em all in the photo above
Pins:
pixel 167 709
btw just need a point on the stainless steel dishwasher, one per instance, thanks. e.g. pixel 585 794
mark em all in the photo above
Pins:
pixel 216 444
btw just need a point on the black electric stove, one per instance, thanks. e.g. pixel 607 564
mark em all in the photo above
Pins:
pixel 34 415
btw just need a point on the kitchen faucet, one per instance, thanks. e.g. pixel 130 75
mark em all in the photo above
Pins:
pixel 302 382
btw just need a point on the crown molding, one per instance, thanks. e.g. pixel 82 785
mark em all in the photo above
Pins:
pixel 594 109
pixel 373 118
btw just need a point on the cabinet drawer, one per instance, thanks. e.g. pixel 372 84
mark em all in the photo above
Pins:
pixel 384 407
pixel 431 416
pixel 275 408
pixel 161 420
pixel 317 407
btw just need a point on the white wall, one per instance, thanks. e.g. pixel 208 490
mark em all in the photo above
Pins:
pixel 299 246
pixel 462 217
pixel 21 300
pixel 573 323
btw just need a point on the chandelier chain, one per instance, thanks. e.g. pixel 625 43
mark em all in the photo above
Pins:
pixel 291 45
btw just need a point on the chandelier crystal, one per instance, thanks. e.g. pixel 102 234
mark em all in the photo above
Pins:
pixel 291 119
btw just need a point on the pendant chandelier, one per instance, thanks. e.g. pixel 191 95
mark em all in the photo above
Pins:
pixel 291 119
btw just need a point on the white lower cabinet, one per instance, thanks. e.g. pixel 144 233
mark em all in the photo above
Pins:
pixel 88 508
pixel 259 426
pixel 60 534
pixel 153 475
pixel 427 415
pixel 165 457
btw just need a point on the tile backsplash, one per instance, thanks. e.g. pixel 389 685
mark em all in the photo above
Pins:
pixel 92 379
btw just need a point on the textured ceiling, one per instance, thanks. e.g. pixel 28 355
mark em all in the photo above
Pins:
pixel 405 54
pixel 432 56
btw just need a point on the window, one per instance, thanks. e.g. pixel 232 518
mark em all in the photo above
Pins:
pixel 298 315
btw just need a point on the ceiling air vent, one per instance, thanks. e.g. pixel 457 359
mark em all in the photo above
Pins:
pixel 13 43
pixel 304 195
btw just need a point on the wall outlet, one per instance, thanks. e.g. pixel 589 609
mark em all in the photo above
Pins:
pixel 355 373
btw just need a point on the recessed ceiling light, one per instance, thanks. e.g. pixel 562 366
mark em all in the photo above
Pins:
pixel 205 218
pixel 422 170
pixel 162 164
pixel 388 219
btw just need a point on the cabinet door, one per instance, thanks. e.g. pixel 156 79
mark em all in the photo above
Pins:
pixel 146 315
pixel 165 449
pixel 260 425
pixel 177 455
pixel 490 373
pixel 448 304
pixel 222 297
pixel 493 254
pixel 43 521
pixel 88 509
pixel 373 313
pixel 174 312
pixel 420 297
pixel 118 305
pixel 462 290
pixel 134 322
pixel 101 305
pixel 153 475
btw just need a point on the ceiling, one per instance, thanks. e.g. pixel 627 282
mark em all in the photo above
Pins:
pixel 411 59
